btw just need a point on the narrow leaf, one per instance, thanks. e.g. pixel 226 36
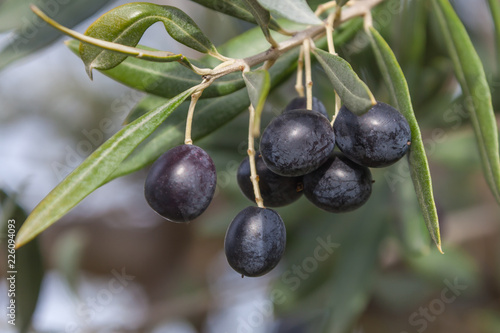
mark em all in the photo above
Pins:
pixel 115 48
pixel 127 23
pixel 165 79
pixel 94 170
pixel 470 74
pixel 235 8
pixel 258 85
pixel 294 10
pixel 262 17
pixel 353 92
pixel 495 13
pixel 419 167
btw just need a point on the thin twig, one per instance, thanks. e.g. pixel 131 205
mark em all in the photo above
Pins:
pixel 189 120
pixel 251 157
pixel 299 84
pixel 309 82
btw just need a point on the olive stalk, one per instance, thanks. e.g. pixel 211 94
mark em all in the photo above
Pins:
pixel 251 159
pixel 299 84
pixel 309 82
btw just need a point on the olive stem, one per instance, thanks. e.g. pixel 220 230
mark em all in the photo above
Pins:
pixel 189 120
pixel 324 7
pixel 329 33
pixel 195 96
pixel 299 85
pixel 331 49
pixel 251 159
pixel 309 82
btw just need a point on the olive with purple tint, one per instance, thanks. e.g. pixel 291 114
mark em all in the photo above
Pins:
pixel 181 183
pixel 375 139
pixel 276 190
pixel 300 103
pixel 297 142
pixel 255 241
pixel 339 185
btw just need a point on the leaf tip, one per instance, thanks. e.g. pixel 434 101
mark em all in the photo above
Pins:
pixel 22 238
pixel 440 248
pixel 88 69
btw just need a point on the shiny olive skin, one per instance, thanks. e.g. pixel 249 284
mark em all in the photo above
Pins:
pixel 297 142
pixel 276 190
pixel 339 185
pixel 255 241
pixel 300 103
pixel 181 183
pixel 375 139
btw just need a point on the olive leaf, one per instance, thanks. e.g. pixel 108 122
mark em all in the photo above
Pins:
pixel 353 92
pixel 294 10
pixel 127 23
pixel 235 8
pixel 419 167
pixel 29 33
pixel 258 85
pixel 165 79
pixel 262 17
pixel 495 13
pixel 470 74
pixel 94 170
pixel 28 264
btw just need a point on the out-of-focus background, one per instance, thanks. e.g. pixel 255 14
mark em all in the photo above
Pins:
pixel 113 265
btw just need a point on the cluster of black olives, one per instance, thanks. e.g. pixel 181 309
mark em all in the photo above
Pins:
pixel 296 157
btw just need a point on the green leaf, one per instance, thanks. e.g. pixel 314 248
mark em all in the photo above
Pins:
pixel 495 13
pixel 258 85
pixel 353 92
pixel 127 23
pixel 94 170
pixel 419 167
pixel 165 79
pixel 294 10
pixel 235 8
pixel 31 33
pixel 28 264
pixel 470 74
pixel 147 103
pixel 262 17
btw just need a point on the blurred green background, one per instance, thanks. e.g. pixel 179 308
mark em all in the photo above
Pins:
pixel 112 265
